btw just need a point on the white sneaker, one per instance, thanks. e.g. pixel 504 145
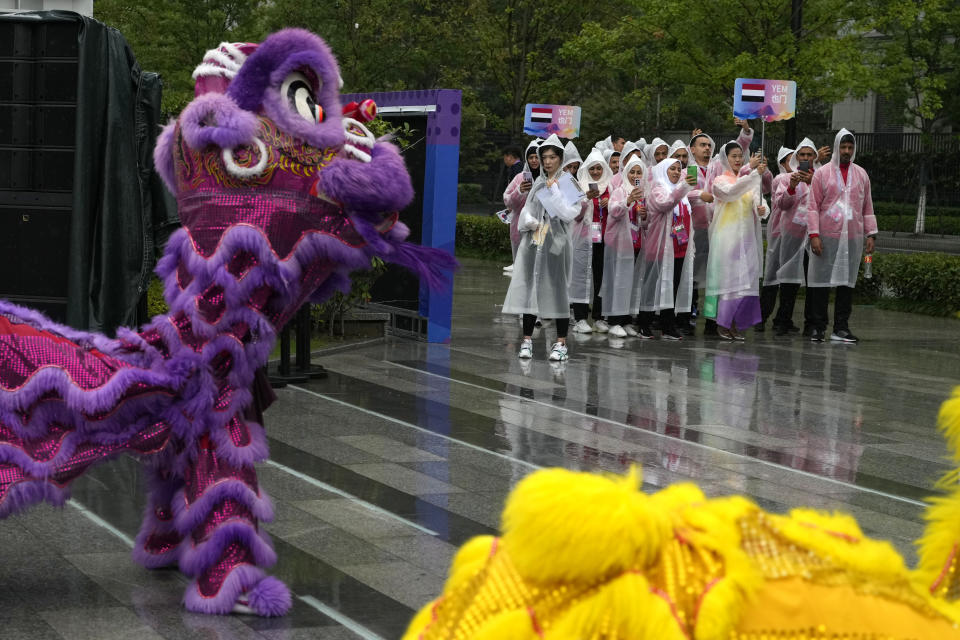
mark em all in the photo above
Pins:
pixel 508 268
pixel 631 331
pixel 582 327
pixel 559 352
pixel 601 326
pixel 617 331
pixel 526 349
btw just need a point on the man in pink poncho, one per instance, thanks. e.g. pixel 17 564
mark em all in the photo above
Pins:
pixel 841 225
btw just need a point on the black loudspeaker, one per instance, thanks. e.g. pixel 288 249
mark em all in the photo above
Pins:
pixel 38 105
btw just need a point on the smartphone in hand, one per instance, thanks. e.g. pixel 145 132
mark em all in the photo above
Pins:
pixel 692 171
pixel 593 186
pixel 527 175
pixel 804 166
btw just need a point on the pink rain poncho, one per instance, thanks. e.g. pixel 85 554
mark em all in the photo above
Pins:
pixel 793 221
pixel 771 261
pixel 841 212
pixel 514 199
pixel 587 229
pixel 736 248
pixel 618 263
pixel 701 213
pixel 539 281
pixel 654 290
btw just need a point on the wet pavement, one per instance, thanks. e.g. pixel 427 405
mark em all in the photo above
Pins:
pixel 406 450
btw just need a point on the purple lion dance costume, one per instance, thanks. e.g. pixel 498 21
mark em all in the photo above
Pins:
pixel 280 197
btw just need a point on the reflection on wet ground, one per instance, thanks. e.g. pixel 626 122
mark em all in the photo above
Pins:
pixel 406 450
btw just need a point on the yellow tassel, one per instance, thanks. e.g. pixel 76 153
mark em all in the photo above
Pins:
pixel 471 557
pixel 948 421
pixel 555 521
pixel 621 609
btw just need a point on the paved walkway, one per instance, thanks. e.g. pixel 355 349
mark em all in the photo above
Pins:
pixel 407 450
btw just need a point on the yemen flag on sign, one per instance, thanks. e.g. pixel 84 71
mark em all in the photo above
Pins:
pixel 541 114
pixel 751 92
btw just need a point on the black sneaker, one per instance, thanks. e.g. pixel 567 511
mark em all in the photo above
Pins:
pixel 817 335
pixel 671 334
pixel 844 336
pixel 645 333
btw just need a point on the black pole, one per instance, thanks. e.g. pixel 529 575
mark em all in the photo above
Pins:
pixel 796 26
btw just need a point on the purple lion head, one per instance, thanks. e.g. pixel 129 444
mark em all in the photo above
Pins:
pixel 265 143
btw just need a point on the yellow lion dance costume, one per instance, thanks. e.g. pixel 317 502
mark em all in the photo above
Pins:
pixel 585 557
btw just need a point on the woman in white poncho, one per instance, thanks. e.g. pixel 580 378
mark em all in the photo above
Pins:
pixel 626 212
pixel 539 283
pixel 586 234
pixel 736 244
pixel 668 251
pixel 771 261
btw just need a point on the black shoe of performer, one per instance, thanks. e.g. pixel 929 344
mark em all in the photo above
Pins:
pixel 817 335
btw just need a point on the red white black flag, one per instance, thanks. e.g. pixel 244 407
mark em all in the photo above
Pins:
pixel 541 114
pixel 751 92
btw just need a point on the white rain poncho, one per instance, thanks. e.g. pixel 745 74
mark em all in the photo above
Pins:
pixel 539 282
pixel 701 214
pixel 618 264
pixel 655 287
pixel 736 238
pixel 842 213
pixel 771 261
pixel 677 146
pixel 514 199
pixel 618 177
pixel 570 155
pixel 648 152
pixel 793 220
pixel 585 230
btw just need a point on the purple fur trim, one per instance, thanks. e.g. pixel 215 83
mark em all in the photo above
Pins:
pixel 215 119
pixel 432 265
pixel 195 559
pixel 371 188
pixel 241 579
pixel 262 74
pixel 163 156
pixel 27 493
pixel 338 281
pixel 270 598
pixel 189 518
pixel 256 451
pixel 148 560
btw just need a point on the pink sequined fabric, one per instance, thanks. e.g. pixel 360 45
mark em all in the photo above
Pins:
pixel 210 582
pixel 25 351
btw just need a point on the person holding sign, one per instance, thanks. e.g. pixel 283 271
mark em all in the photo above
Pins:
pixel 586 234
pixel 840 224
pixel 516 194
pixel 667 283
pixel 539 283
pixel 736 244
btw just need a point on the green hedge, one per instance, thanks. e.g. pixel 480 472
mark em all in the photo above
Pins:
pixel 920 282
pixel 932 225
pixel 483 237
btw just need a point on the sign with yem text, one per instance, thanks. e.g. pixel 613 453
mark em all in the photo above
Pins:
pixel 543 119
pixel 770 100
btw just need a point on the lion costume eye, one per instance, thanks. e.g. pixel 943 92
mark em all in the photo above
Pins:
pixel 299 93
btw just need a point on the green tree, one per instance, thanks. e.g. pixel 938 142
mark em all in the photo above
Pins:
pixel 170 37
pixel 919 59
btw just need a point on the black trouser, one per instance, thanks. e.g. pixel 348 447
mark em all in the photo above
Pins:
pixel 768 300
pixel 582 309
pixel 668 318
pixel 819 299
pixel 530 321
pixel 788 298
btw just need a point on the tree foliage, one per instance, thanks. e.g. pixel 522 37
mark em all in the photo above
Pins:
pixel 635 66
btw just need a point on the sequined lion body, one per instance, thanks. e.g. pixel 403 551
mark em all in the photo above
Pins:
pixel 281 195
pixel 588 557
